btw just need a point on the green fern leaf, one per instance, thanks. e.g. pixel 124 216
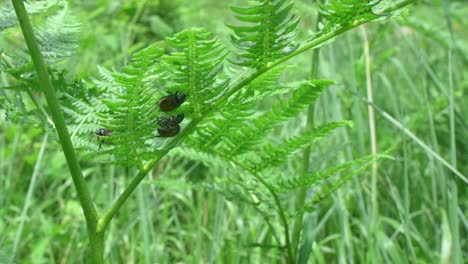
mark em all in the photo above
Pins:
pixel 195 68
pixel 131 107
pixel 239 108
pixel 326 189
pixel 310 179
pixel 246 138
pixel 339 13
pixel 8 17
pixel 59 36
pixel 267 33
pixel 275 155
pixel 209 159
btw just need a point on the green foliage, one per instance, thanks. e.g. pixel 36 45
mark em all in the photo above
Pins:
pixel 195 68
pixel 275 155
pixel 58 35
pixel 7 14
pixel 131 106
pixel 267 33
pixel 243 130
pixel 339 13
pixel 246 137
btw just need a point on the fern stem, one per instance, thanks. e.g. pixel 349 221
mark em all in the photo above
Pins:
pixel 284 220
pixel 107 217
pixel 84 196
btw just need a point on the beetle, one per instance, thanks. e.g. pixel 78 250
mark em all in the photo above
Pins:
pixel 103 132
pixel 171 121
pixel 168 131
pixel 169 126
pixel 172 101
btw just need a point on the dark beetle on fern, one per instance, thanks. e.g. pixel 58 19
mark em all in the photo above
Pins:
pixel 172 101
pixel 169 126
pixel 103 132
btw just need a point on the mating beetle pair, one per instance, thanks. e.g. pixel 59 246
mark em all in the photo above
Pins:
pixel 169 126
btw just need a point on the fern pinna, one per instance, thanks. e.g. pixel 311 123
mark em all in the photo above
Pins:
pixel 219 121
pixel 267 33
pixel 132 109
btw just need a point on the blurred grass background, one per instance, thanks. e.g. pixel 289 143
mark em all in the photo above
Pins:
pixel 414 212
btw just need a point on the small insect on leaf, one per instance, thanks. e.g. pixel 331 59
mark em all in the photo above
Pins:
pixel 172 101
pixel 101 134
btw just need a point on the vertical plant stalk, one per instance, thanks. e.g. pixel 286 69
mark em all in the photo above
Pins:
pixel 452 207
pixel 27 202
pixel 85 199
pixel 301 196
pixel 370 110
pixel 370 98
pixel 107 217
pixel 373 140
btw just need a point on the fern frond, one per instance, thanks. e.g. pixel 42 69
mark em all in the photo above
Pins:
pixel 209 159
pixel 84 120
pixel 240 187
pixel 58 37
pixel 246 138
pixel 240 107
pixel 310 179
pixel 339 13
pixel 275 155
pixel 16 111
pixel 132 107
pixel 267 32
pixel 264 86
pixel 195 68
pixel 329 188
pixel 8 17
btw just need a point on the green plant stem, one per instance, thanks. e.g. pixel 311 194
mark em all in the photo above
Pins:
pixel 107 217
pixel 29 195
pixel 301 196
pixel 374 214
pixel 418 141
pixel 57 117
pixel 282 215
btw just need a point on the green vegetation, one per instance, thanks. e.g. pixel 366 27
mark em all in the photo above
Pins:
pixel 313 132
